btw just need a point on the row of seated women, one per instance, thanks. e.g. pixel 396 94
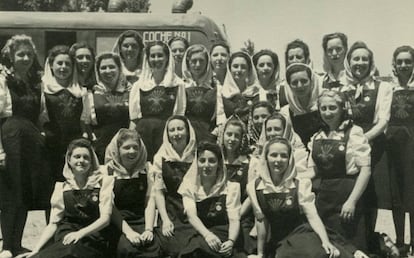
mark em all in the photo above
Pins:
pixel 42 112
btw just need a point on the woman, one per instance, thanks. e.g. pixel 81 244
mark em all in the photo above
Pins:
pixel 65 105
pixel 157 95
pixel 266 63
pixel 178 46
pixel 169 167
pixel 219 55
pixel 84 57
pixel 335 46
pixel 340 159
pixel 134 212
pixel 108 102
pixel 399 143
pixel 212 205
pixel 129 47
pixel 81 207
pixel 204 104
pixel 26 181
pixel 302 93
pixel 258 114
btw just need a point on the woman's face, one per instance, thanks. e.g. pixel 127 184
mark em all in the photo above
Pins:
pixel 296 55
pixel 177 133
pixel 330 111
pixel 80 161
pixel 300 83
pixel 109 72
pixel 84 60
pixel 157 58
pixel 239 69
pixel 207 163
pixel 360 63
pixel 259 115
pixel 404 64
pixel 274 127
pixel 128 153
pixel 335 51
pixel 198 64
pixel 219 58
pixel 232 138
pixel 278 158
pixel 23 58
pixel 62 67
pixel 178 50
pixel 130 48
pixel 265 67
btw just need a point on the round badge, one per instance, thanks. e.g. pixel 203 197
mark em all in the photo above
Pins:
pixel 218 208
pixel 289 202
pixel 172 97
pixel 239 172
pixel 341 148
pixel 367 98
pixel 249 103
pixel 141 187
pixel 95 198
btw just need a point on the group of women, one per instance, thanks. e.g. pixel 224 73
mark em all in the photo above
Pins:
pixel 172 150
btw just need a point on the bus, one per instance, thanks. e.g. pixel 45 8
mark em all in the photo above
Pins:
pixel 100 29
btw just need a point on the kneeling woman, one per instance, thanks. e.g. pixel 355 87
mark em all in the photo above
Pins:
pixel 133 213
pixel 211 203
pixel 81 207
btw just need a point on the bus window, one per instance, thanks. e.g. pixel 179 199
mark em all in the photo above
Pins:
pixel 54 38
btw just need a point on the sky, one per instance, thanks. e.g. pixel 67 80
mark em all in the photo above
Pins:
pixel 382 24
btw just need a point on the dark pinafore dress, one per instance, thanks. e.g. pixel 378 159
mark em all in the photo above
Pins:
pixel 81 210
pixel 157 105
pixel 64 126
pixel 213 213
pixel 130 200
pixel 400 149
pixel 237 105
pixel 328 84
pixel 112 114
pixel 305 125
pixel 200 110
pixel 334 189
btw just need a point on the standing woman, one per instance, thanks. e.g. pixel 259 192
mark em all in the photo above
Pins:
pixel 84 57
pixel 26 181
pixel 108 103
pixel 219 55
pixel 65 105
pixel 178 46
pixel 266 63
pixel 335 46
pixel 400 141
pixel 212 205
pixel 157 95
pixel 204 104
pixel 130 48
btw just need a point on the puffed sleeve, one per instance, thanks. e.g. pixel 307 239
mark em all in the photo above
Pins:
pixel 57 204
pixel 300 154
pixel 220 114
pixel 181 100
pixel 106 195
pixel 189 204
pixel 5 98
pixel 358 150
pixel 233 203
pixel 384 100
pixel 155 172
pixel 310 172
pixel 88 112
pixel 252 173
pixel 306 197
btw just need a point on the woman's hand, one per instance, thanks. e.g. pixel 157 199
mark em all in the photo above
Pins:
pixel 226 248
pixel 167 228
pixel 360 254
pixel 147 236
pixel 331 250
pixel 134 238
pixel 348 211
pixel 72 238
pixel 213 241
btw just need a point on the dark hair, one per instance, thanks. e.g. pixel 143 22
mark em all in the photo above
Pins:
pixel 264 104
pixel 242 55
pixel 125 134
pixel 267 52
pixel 209 146
pixel 276 116
pixel 179 38
pixel 82 143
pixel 401 49
pixel 297 43
pixel 107 55
pixel 164 46
pixel 79 45
pixel 277 139
pixel 294 68
pixel 341 100
pixel 336 35
pixel 181 118
pixel 358 45
pixel 220 44
pixel 131 34
pixel 195 49
pixel 59 50
pixel 243 148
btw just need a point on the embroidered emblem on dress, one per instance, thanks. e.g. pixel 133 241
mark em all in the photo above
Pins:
pixel 68 104
pixel 81 199
pixel 196 97
pixel 326 156
pixel 157 98
pixel 401 105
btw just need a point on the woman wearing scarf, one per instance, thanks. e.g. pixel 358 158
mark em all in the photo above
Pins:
pixel 84 57
pixel 370 101
pixel 400 141
pixel 65 102
pixel 266 63
pixel 258 114
pixel 178 46
pixel 81 208
pixel 157 95
pixel 302 94
pixel 130 48
pixel 212 205
pixel 134 211
pixel 340 159
pixel 335 46
pixel 26 181
pixel 219 55
pixel 108 103
pixel 204 104
pixel 169 167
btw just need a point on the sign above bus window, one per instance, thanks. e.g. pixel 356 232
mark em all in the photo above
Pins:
pixel 149 36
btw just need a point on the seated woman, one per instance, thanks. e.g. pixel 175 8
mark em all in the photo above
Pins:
pixel 81 207
pixel 134 212
pixel 212 205
pixel 340 159
pixel 258 114
pixel 169 167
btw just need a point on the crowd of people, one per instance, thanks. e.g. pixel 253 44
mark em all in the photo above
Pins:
pixel 177 150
